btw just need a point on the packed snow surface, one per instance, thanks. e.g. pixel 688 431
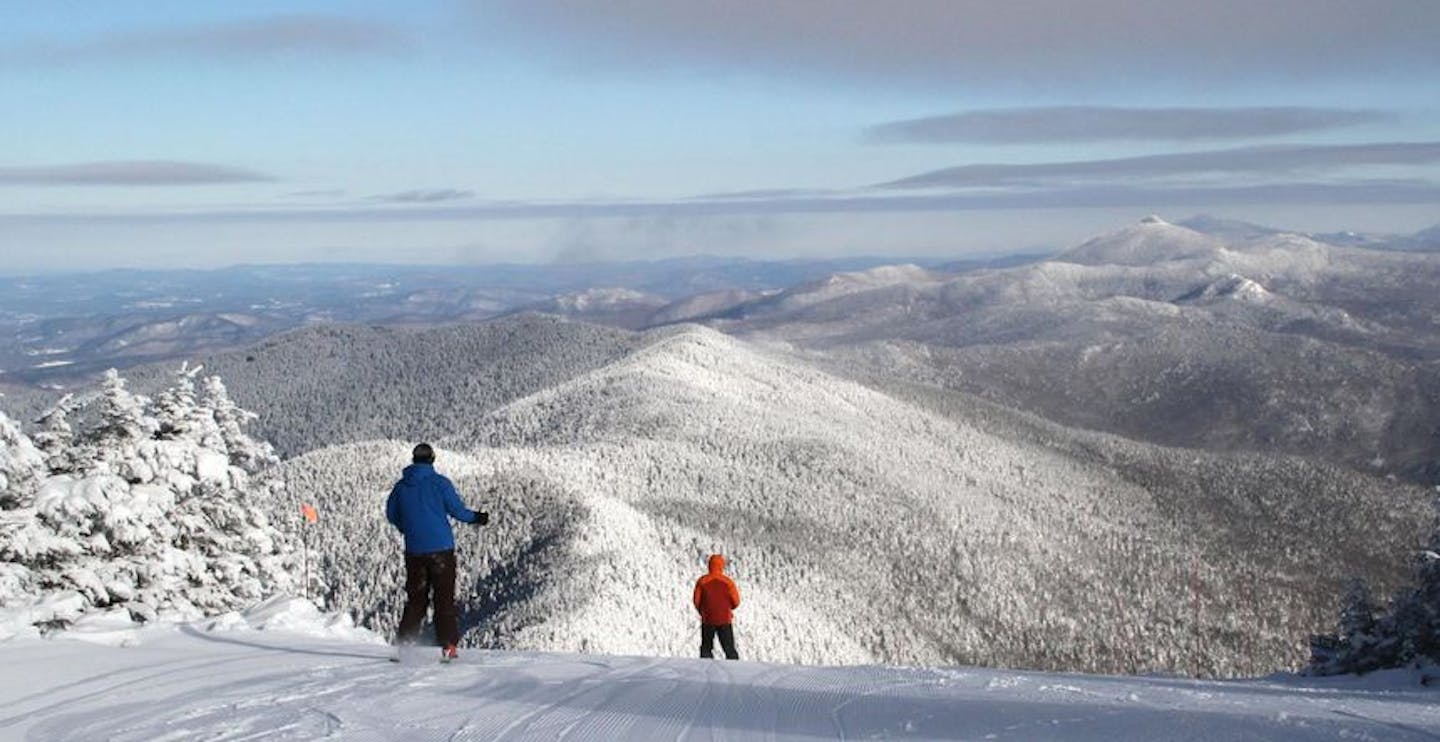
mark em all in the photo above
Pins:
pixel 285 671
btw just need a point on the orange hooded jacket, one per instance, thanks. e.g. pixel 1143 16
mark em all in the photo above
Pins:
pixel 716 594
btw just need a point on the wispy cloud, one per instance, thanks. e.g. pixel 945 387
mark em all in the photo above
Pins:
pixel 129 173
pixel 1268 160
pixel 1351 192
pixel 426 196
pixel 272 36
pixel 1099 123
pixel 317 193
pixel 1034 43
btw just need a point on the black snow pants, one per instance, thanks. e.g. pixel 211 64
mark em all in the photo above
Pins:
pixel 427 575
pixel 727 641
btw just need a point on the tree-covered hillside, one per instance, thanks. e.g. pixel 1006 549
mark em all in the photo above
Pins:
pixel 332 384
pixel 862 528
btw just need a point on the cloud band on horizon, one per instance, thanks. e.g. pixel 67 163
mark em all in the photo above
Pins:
pixel 1192 196
pixel 1269 160
pixel 129 173
pixel 1059 124
pixel 425 196
pixel 275 35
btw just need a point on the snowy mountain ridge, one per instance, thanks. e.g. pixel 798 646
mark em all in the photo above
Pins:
pixel 1200 373
pixel 918 537
pixel 1234 287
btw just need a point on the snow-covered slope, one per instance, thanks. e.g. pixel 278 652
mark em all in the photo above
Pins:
pixel 861 528
pixel 230 681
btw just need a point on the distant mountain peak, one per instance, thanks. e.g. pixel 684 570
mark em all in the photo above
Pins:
pixel 839 284
pixel 1152 240
pixel 1232 287
pixel 883 274
pixel 1428 237
pixel 1236 286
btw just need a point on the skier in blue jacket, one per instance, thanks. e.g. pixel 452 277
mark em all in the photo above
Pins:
pixel 421 505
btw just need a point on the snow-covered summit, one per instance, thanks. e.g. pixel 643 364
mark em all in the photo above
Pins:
pixel 886 274
pixel 1151 240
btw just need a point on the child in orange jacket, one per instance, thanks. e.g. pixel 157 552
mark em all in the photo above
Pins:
pixel 715 596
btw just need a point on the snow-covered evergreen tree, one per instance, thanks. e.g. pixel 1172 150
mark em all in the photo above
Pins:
pixel 121 422
pixel 247 452
pixel 1420 634
pixel 177 414
pixel 20 465
pixel 156 505
pixel 55 435
pixel 21 468
pixel 1409 633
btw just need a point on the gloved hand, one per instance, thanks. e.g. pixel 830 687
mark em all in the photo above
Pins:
pixel 484 519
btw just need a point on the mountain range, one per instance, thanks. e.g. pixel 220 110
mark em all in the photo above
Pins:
pixel 1160 333
pixel 59 329
pixel 1160 450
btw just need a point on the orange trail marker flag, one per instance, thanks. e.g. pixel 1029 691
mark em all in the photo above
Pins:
pixel 311 516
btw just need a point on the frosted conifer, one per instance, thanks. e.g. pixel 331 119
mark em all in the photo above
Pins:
pixel 21 464
pixel 55 435
pixel 153 512
pixel 177 414
pixel 246 452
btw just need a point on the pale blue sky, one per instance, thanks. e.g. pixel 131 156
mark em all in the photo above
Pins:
pixel 201 134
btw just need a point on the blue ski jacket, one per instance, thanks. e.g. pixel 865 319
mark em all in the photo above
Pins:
pixel 418 506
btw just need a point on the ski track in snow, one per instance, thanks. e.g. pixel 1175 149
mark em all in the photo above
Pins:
pixel 190 685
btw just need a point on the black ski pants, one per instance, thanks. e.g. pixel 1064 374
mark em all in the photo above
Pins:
pixel 727 641
pixel 428 575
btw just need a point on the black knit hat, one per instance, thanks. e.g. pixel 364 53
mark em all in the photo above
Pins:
pixel 423 454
